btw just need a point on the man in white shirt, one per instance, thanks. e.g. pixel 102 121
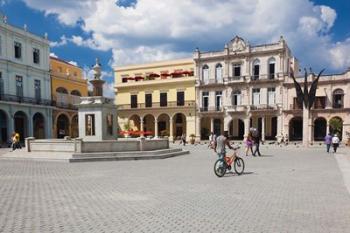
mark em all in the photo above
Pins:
pixel 335 142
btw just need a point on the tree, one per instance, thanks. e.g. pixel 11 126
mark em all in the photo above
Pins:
pixel 336 125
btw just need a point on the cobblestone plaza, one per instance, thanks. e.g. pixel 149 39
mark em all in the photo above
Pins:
pixel 288 190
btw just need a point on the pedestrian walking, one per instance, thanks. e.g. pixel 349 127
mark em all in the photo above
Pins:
pixel 335 142
pixel 183 139
pixel 18 144
pixel 256 140
pixel 13 142
pixel 328 141
pixel 212 140
pixel 249 144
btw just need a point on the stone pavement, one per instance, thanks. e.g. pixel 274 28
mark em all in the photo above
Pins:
pixel 288 190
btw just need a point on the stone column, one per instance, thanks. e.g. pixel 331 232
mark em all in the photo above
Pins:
pixel 30 132
pixel 246 127
pixel 141 127
pixel 263 129
pixel 156 128
pixel 306 130
pixel 279 125
pixel 327 129
pixel 211 125
pixel 198 129
pixel 171 129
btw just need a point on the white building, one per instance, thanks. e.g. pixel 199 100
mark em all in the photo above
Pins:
pixel 241 87
pixel 25 89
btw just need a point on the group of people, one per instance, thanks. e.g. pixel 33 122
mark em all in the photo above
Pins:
pixel 15 141
pixel 330 140
pixel 252 142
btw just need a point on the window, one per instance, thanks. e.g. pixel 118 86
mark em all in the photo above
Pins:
pixel 59 69
pixel 148 98
pixel 320 102
pixel 256 69
pixel 236 98
pixel 338 98
pixel 218 73
pixel 271 96
pixel 19 86
pixel 205 74
pixel 296 104
pixel 36 56
pixel 218 100
pixel 90 125
pixel 271 68
pixel 180 98
pixel 1 85
pixel 109 121
pixel 163 99
pixel 236 70
pixel 256 96
pixel 37 89
pixel 133 101
pixel 205 101
pixel 18 50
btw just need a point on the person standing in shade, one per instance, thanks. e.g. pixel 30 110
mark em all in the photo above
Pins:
pixel 328 141
pixel 335 142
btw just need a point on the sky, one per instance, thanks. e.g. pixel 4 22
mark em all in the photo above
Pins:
pixel 121 32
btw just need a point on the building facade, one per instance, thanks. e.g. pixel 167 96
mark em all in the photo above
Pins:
pixel 157 99
pixel 241 87
pixel 67 86
pixel 330 113
pixel 25 89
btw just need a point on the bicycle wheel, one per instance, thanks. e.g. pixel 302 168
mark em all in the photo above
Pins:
pixel 239 166
pixel 220 168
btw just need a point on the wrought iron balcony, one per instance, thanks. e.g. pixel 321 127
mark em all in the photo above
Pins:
pixel 236 108
pixel 262 107
pixel 211 109
pixel 27 100
pixel 172 104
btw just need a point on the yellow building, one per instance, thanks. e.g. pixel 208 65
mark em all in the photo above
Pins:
pixel 67 86
pixel 157 99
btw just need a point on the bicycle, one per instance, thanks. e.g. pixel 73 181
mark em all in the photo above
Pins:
pixel 222 165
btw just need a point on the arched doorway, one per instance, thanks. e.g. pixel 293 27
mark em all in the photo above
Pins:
pixel 21 125
pixel 179 124
pixel 163 125
pixel 205 128
pixel 336 126
pixel 271 128
pixel 75 129
pixel 38 126
pixel 62 126
pixel 3 128
pixel 296 129
pixel 320 129
pixel 134 123
pixel 236 129
pixel 148 125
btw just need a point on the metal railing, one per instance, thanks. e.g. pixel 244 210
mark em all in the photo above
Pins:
pixel 27 100
pixel 211 109
pixel 170 104
pixel 263 107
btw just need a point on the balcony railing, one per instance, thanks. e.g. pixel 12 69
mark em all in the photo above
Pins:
pixel 236 79
pixel 27 100
pixel 263 107
pixel 171 104
pixel 264 77
pixel 236 108
pixel 211 109
pixel 64 105
pixel 295 107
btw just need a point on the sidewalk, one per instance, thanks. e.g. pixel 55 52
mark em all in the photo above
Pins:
pixel 343 160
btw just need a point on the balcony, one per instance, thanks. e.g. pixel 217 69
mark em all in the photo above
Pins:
pixel 211 109
pixel 172 104
pixel 235 79
pixel 158 77
pixel 26 100
pixel 210 82
pixel 266 77
pixel 237 108
pixel 263 107
pixel 66 101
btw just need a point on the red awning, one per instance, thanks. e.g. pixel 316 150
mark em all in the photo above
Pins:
pixel 165 74
pixel 131 78
pixel 153 75
pixel 139 78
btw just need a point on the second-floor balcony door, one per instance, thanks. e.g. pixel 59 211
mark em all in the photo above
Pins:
pixel 163 99
pixel 218 100
pixel 256 96
pixel 180 98
pixel 19 86
pixel 271 96
pixel 148 98
pixel 62 99
pixel 133 101
pixel 37 89
pixel 236 99
pixel 1 85
pixel 205 101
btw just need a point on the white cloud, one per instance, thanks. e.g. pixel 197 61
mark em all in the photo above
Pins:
pixel 74 63
pixel 63 41
pixel 152 29
pixel 53 55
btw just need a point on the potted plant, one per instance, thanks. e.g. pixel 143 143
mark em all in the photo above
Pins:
pixel 192 140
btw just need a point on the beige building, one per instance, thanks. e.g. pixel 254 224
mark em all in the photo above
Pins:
pixel 157 99
pixel 241 87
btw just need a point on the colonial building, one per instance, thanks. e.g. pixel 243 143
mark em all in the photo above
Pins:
pixel 68 85
pixel 157 99
pixel 330 113
pixel 25 90
pixel 242 87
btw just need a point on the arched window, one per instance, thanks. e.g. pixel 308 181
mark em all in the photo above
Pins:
pixel 205 74
pixel 271 68
pixel 218 72
pixel 62 90
pixel 75 92
pixel 256 69
pixel 338 98
pixel 236 98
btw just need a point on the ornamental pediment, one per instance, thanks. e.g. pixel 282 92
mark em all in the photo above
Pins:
pixel 237 44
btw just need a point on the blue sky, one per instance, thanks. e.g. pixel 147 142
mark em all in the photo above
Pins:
pixel 123 32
